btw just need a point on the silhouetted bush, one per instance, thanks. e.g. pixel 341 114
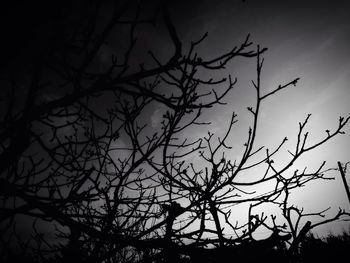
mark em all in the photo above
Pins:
pixel 326 249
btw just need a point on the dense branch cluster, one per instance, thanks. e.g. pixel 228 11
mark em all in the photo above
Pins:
pixel 81 158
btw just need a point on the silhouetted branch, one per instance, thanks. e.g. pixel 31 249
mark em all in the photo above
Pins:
pixel 342 173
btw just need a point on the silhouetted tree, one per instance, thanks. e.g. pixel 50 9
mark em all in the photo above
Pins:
pixel 85 173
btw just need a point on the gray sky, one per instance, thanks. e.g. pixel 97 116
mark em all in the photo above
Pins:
pixel 306 39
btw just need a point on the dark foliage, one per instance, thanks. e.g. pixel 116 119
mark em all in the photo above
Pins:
pixel 327 249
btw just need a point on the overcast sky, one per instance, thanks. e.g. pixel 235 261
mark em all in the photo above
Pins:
pixel 306 39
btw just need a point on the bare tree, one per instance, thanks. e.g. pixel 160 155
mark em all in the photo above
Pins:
pixel 94 181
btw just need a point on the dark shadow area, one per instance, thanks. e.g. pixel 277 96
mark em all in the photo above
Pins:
pixel 328 249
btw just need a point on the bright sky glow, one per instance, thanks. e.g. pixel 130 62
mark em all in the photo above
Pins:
pixel 306 40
